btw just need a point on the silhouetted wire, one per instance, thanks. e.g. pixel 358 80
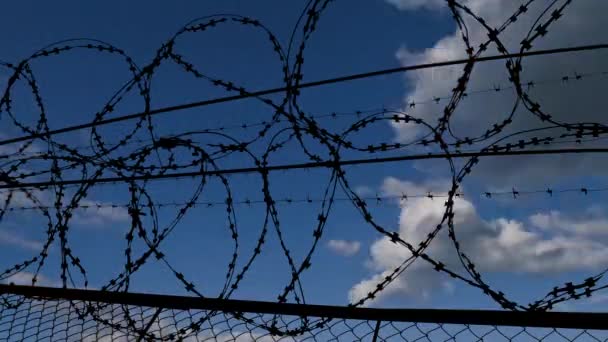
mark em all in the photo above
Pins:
pixel 376 200
pixel 309 165
pixel 200 154
pixel 301 86
pixel 497 88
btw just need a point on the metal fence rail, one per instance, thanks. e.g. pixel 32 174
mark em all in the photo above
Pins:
pixel 50 314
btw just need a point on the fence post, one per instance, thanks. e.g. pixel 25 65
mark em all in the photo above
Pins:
pixel 376 331
pixel 149 325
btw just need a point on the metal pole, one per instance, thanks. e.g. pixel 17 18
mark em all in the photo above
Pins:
pixel 376 331
pixel 565 320
pixel 145 331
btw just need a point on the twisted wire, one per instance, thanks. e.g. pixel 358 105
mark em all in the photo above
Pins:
pixel 136 162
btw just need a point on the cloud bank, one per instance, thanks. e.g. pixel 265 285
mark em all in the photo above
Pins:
pixel 501 244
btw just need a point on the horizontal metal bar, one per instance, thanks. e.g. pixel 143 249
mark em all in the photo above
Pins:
pixel 567 320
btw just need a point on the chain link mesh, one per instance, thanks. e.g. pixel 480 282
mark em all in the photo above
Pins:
pixel 33 318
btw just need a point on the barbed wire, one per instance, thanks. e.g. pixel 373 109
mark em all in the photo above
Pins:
pixel 564 80
pixel 200 155
pixel 377 199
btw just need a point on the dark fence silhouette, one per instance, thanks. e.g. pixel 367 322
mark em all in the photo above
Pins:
pixel 54 314
pixel 46 175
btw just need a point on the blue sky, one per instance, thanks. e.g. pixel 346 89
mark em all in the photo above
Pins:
pixel 352 37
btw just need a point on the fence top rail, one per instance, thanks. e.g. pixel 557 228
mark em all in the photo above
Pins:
pixel 565 320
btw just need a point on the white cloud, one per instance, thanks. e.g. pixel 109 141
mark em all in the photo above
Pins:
pixel 550 242
pixel 160 328
pixel 364 191
pixel 10 149
pixel 21 199
pixel 595 303
pixel 575 101
pixel 343 247
pixel 589 223
pixel 12 239
pixel 99 213
pixel 25 278
pixel 416 4
pixel 496 245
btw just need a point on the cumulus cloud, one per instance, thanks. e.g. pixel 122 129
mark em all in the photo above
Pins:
pixel 572 101
pixel 546 242
pixel 591 223
pixel 495 245
pixel 343 247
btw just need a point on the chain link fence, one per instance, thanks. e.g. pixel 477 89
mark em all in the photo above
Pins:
pixel 46 314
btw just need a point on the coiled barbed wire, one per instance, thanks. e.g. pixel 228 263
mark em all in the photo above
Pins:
pixel 137 162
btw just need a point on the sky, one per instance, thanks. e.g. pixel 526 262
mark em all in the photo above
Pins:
pixel 524 246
